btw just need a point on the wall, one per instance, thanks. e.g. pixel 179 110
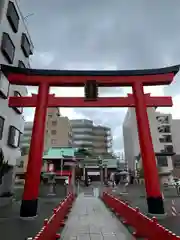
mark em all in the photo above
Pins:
pixel 176 135
pixel 165 173
pixel 131 137
pixel 59 128
pixel 11 117
pixel 16 37
pixel 176 145
pixel 24 159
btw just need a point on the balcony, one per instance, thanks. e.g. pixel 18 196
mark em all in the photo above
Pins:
pixel 163 119
pixel 83 137
pixel 166 139
pixel 164 129
pixel 81 130
pixel 168 149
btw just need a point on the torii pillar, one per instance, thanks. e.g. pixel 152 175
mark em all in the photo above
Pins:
pixel 154 196
pixel 29 203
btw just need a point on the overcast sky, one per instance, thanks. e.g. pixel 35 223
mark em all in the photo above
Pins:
pixel 104 34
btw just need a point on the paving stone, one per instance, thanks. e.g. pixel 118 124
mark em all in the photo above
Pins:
pixel 90 219
pixel 12 227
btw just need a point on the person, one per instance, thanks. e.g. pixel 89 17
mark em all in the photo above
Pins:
pixel 117 178
pixel 66 182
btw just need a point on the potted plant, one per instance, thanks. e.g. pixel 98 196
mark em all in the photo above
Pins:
pixel 5 196
pixel 4 166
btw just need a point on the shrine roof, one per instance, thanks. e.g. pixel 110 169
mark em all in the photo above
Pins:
pixel 6 69
pixel 57 153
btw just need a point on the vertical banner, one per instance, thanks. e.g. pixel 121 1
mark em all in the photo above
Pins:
pixel 51 167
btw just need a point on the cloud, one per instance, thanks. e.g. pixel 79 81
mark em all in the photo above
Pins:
pixel 103 34
pixel 42 59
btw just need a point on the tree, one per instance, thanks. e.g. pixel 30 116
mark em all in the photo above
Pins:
pixel 83 152
pixel 24 150
pixel 4 166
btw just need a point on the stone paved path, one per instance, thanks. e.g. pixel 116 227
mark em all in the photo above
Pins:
pixel 91 220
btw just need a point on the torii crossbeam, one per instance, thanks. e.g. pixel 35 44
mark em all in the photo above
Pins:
pixel 80 101
pixel 44 79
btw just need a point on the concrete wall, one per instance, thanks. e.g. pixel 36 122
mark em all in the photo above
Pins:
pixel 176 135
pixel 60 129
pixel 176 145
pixel 10 116
pixel 15 37
pixel 22 169
pixel 131 137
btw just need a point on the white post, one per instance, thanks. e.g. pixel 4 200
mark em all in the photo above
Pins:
pixel 105 173
pixel 84 169
pixel 101 173
pixel 61 165
pixel 73 179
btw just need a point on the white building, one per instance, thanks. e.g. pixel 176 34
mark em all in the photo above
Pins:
pixel 176 146
pixel 86 134
pixel 160 126
pixel 16 47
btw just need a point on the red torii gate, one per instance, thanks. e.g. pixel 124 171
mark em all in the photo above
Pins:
pixel 46 78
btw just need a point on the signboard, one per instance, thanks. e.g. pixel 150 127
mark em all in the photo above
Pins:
pixel 51 167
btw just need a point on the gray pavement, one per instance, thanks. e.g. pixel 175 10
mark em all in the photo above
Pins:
pixel 91 220
pixel 13 227
pixel 136 198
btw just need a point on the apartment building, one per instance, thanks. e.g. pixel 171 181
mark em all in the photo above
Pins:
pixel 160 127
pixel 16 48
pixel 57 133
pixel 176 146
pixel 59 129
pixel 86 134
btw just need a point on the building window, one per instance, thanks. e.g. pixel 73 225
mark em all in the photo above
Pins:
pixel 12 16
pixel 169 148
pixel 165 138
pixel 164 129
pixel 54 123
pixel 25 45
pixel 1 127
pixel 4 86
pixel 53 141
pixel 7 48
pixel 19 110
pixel 162 161
pixel 176 161
pixel 13 137
pixel 21 64
pixel 53 132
